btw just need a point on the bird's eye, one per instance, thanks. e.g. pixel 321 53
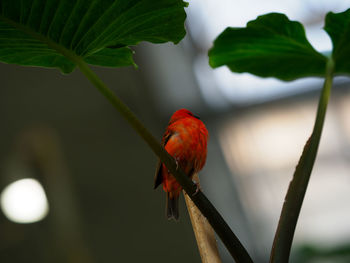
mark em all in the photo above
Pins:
pixel 192 115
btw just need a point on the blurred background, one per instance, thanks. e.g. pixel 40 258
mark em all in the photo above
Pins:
pixel 76 181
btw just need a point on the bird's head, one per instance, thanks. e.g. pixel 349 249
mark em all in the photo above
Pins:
pixel 180 114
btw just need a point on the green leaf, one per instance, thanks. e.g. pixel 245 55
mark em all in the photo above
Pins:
pixel 47 32
pixel 270 46
pixel 110 57
pixel 338 28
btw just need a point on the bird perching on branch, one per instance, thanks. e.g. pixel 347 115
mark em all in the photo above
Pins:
pixel 185 139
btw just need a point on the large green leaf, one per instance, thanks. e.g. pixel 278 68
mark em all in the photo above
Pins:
pixel 338 28
pixel 270 46
pixel 44 32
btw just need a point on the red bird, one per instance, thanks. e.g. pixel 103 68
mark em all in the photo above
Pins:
pixel 185 139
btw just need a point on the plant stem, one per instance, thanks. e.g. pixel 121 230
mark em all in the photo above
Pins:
pixel 230 240
pixel 203 232
pixel 295 195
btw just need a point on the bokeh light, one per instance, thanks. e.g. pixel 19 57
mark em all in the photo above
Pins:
pixel 24 201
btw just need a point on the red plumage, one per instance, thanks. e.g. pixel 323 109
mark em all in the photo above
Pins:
pixel 185 139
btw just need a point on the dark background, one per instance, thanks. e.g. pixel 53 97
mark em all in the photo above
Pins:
pixel 98 174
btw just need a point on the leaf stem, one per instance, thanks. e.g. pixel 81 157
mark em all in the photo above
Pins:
pixel 295 195
pixel 230 240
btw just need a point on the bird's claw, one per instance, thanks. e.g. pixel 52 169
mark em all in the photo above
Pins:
pixel 197 188
pixel 177 163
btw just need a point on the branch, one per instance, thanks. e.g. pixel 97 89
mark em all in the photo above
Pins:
pixel 295 195
pixel 230 240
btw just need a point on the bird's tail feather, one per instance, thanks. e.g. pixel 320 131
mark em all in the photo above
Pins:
pixel 172 207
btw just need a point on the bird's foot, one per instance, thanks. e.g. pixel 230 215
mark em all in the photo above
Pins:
pixel 197 188
pixel 177 163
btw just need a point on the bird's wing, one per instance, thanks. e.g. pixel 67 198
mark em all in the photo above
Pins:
pixel 158 178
